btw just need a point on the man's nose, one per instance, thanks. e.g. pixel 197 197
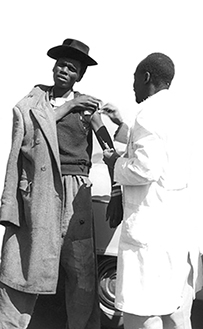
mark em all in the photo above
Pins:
pixel 64 71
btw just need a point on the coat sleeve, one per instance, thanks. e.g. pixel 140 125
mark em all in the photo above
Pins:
pixel 144 160
pixel 10 211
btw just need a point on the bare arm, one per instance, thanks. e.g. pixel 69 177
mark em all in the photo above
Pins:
pixel 63 110
pixel 114 212
pixel 80 103
pixel 102 136
pixel 101 132
pixel 122 133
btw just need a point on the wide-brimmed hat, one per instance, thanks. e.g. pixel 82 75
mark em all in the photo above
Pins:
pixel 74 49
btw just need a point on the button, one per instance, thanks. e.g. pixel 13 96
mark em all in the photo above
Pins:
pixel 82 221
pixel 43 168
pixel 37 141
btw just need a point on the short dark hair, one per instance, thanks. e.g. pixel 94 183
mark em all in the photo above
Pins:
pixel 160 67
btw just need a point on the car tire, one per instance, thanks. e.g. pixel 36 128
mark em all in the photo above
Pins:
pixel 110 316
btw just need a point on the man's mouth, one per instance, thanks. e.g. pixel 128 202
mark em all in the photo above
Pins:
pixel 61 77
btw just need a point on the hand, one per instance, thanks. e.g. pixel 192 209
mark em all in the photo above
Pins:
pixel 112 112
pixel 85 103
pixel 114 212
pixel 110 156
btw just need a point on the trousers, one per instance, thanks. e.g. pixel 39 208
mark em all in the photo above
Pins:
pixel 78 260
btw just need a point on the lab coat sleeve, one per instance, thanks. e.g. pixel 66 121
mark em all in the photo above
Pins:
pixel 144 160
pixel 122 133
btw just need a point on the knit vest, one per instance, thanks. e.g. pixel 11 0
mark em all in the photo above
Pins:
pixel 75 144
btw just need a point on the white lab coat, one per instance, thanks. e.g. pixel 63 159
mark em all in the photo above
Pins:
pixel 156 237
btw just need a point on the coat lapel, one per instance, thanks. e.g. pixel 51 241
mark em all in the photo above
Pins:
pixel 44 114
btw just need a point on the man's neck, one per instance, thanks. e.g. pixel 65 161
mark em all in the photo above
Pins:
pixel 154 90
pixel 58 92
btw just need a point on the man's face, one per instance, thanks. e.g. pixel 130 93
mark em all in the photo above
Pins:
pixel 66 72
pixel 140 86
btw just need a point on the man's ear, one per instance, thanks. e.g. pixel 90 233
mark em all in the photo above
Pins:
pixel 147 77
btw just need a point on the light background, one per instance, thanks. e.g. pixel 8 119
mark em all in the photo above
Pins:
pixel 120 34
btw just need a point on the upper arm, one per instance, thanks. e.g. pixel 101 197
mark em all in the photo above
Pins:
pixel 96 121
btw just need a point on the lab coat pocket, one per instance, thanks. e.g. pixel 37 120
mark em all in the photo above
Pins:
pixel 141 226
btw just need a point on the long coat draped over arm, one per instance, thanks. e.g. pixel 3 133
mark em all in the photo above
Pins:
pixel 32 199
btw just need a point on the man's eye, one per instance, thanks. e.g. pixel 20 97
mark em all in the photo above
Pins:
pixel 72 69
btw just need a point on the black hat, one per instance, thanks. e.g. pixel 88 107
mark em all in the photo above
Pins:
pixel 73 49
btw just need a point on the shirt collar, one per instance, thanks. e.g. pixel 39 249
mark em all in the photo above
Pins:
pixel 58 101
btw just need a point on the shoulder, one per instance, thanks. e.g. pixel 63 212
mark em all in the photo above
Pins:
pixel 32 97
pixel 42 88
pixel 153 114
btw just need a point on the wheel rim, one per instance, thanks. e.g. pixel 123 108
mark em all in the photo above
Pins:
pixel 107 282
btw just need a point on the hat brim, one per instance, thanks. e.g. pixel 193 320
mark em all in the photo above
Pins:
pixel 69 52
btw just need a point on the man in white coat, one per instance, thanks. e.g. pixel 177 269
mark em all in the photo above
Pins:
pixel 159 268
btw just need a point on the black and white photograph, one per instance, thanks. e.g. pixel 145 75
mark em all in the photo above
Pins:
pixel 101 218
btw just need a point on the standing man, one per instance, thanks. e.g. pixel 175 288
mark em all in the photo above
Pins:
pixel 158 259
pixel 46 203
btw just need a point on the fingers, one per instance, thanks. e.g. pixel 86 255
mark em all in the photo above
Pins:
pixel 106 111
pixel 112 112
pixel 109 108
pixel 94 98
pixel 89 103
